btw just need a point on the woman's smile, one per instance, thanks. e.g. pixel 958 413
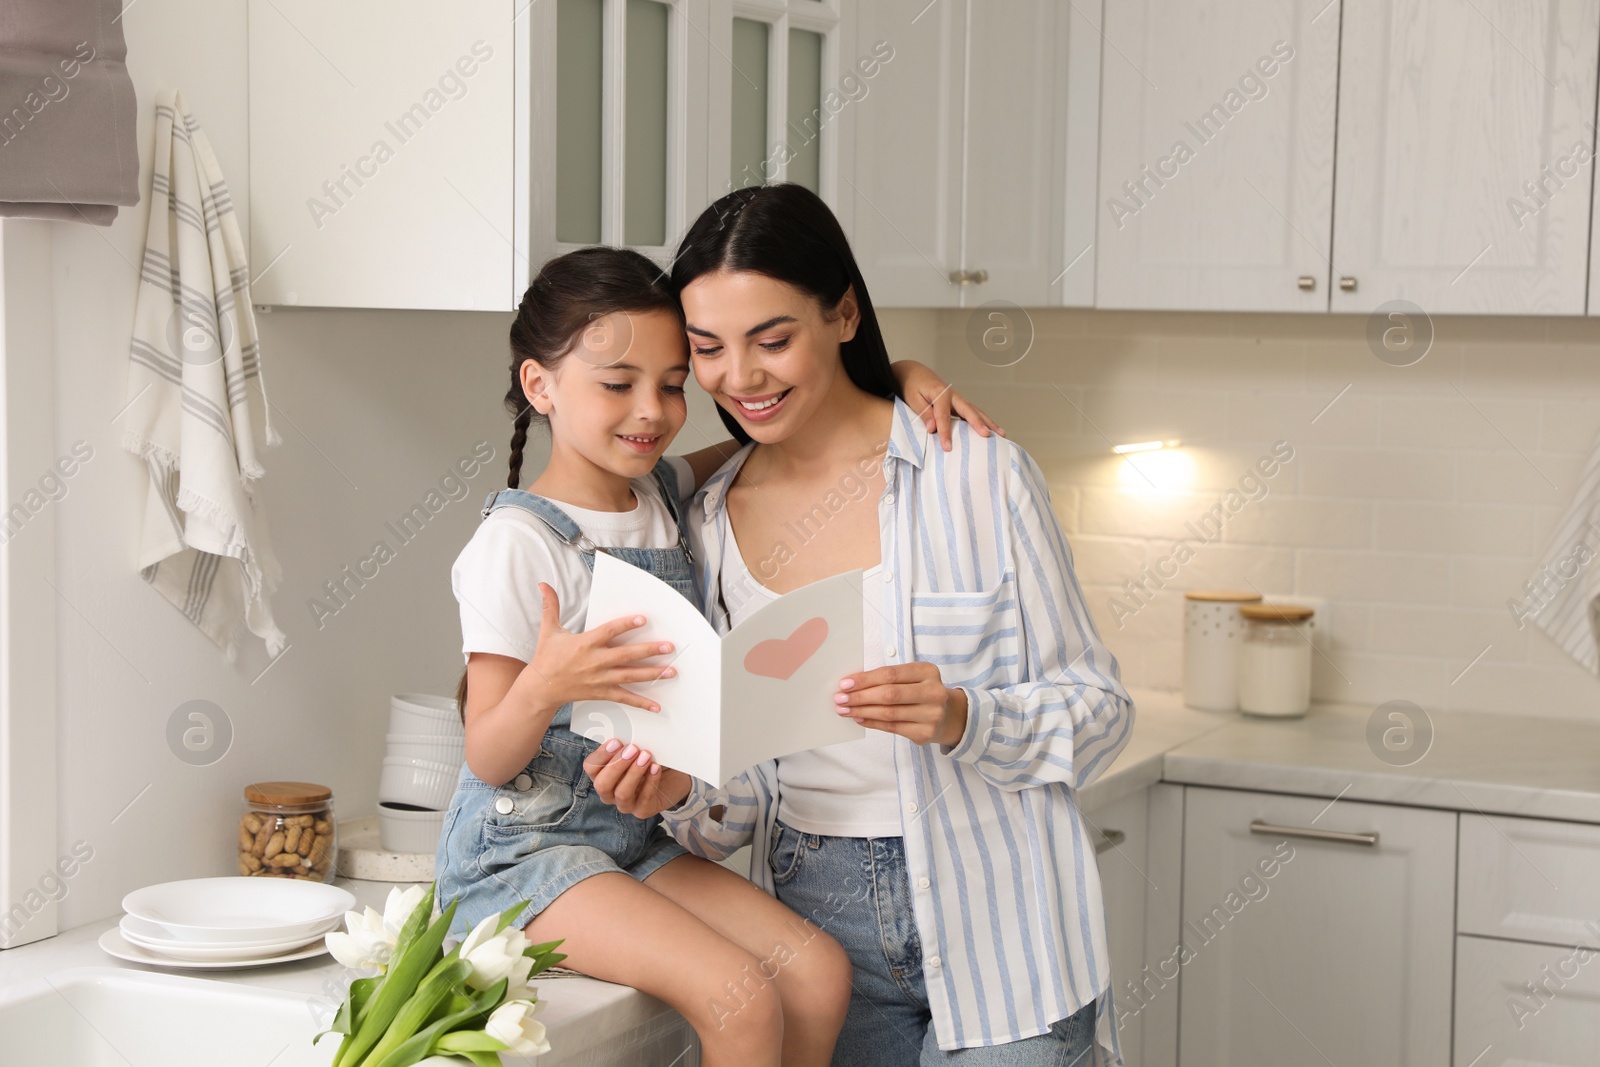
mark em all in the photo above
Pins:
pixel 762 408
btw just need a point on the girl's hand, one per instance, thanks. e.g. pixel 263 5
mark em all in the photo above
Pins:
pixel 933 399
pixel 629 779
pixel 908 699
pixel 582 666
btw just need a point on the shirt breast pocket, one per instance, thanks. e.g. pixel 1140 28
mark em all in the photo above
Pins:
pixel 973 638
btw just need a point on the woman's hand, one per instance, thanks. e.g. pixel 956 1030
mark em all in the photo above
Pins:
pixel 629 779
pixel 933 399
pixel 582 666
pixel 909 699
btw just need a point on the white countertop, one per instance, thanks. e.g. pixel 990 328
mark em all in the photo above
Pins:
pixel 1496 764
pixel 580 1013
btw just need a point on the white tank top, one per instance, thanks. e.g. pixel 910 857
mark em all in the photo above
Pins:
pixel 844 790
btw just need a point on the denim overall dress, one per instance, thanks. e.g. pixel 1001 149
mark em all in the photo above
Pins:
pixel 544 831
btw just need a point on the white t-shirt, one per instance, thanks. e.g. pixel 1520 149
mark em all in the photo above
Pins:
pixel 843 790
pixel 496 577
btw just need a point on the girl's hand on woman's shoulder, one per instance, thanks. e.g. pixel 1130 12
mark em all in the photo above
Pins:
pixel 909 699
pixel 629 779
pixel 934 400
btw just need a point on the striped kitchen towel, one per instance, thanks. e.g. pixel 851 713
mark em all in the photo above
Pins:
pixel 196 408
pixel 1563 596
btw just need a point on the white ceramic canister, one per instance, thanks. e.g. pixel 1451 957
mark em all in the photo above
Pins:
pixel 1275 660
pixel 1211 632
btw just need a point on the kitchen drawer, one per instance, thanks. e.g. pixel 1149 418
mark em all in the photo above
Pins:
pixel 1529 880
pixel 1500 1023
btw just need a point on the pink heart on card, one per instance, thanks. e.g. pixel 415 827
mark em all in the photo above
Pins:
pixel 780 657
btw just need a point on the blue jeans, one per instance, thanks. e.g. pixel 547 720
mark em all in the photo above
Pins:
pixel 857 889
pixel 538 835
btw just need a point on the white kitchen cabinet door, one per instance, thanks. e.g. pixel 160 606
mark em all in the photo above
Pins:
pixel 1522 1005
pixel 1032 87
pixel 1451 119
pixel 905 193
pixel 1341 954
pixel 1139 843
pixel 1216 154
pixel 381 153
pixel 1529 880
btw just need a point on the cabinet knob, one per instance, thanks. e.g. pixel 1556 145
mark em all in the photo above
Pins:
pixel 1307 282
pixel 1348 284
pixel 1109 839
pixel 968 277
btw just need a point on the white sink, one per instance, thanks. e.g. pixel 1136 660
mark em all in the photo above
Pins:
pixel 105 1017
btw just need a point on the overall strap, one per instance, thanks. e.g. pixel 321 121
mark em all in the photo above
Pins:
pixel 667 481
pixel 560 523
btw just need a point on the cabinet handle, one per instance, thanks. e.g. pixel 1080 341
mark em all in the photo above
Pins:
pixel 1109 839
pixel 968 277
pixel 1348 284
pixel 1274 830
pixel 1307 282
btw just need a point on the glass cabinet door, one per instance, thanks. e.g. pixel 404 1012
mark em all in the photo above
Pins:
pixel 777 110
pixel 620 87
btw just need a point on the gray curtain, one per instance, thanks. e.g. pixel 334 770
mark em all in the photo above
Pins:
pixel 68 132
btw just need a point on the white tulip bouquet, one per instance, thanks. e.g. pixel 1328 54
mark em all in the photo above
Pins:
pixel 472 1001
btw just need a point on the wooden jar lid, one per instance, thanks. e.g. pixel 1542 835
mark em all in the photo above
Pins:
pixel 287 793
pixel 1276 612
pixel 1223 596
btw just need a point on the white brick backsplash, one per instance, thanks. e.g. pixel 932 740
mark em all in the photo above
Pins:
pixel 1376 473
pixel 1459 529
pixel 1461 421
pixel 1417 504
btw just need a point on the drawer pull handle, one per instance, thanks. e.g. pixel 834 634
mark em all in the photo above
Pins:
pixel 1307 282
pixel 1274 830
pixel 1109 839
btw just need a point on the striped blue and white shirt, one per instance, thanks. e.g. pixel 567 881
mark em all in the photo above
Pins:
pixel 976 579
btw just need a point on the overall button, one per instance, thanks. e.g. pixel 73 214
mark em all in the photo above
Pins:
pixel 522 782
pixel 504 805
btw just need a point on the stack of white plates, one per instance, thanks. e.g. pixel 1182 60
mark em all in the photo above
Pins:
pixel 226 922
pixel 426 747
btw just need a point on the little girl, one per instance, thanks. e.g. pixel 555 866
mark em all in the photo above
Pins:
pixel 599 352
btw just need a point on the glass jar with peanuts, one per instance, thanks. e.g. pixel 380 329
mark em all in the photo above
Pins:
pixel 288 831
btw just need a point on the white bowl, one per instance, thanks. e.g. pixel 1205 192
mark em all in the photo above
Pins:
pixel 230 910
pixel 423 713
pixel 133 929
pixel 433 747
pixel 416 831
pixel 421 783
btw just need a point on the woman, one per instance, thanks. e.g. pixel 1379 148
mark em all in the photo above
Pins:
pixel 945 850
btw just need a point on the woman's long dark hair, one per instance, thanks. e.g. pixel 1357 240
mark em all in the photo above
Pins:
pixel 787 233
pixel 569 293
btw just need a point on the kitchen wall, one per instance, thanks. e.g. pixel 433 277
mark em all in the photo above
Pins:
pixel 1419 499
pixel 375 409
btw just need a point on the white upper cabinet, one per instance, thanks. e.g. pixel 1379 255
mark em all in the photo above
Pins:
pixel 1464 140
pixel 1216 154
pixel 423 155
pixel 380 153
pixel 906 191
pixel 782 74
pixel 974 153
pixel 610 131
